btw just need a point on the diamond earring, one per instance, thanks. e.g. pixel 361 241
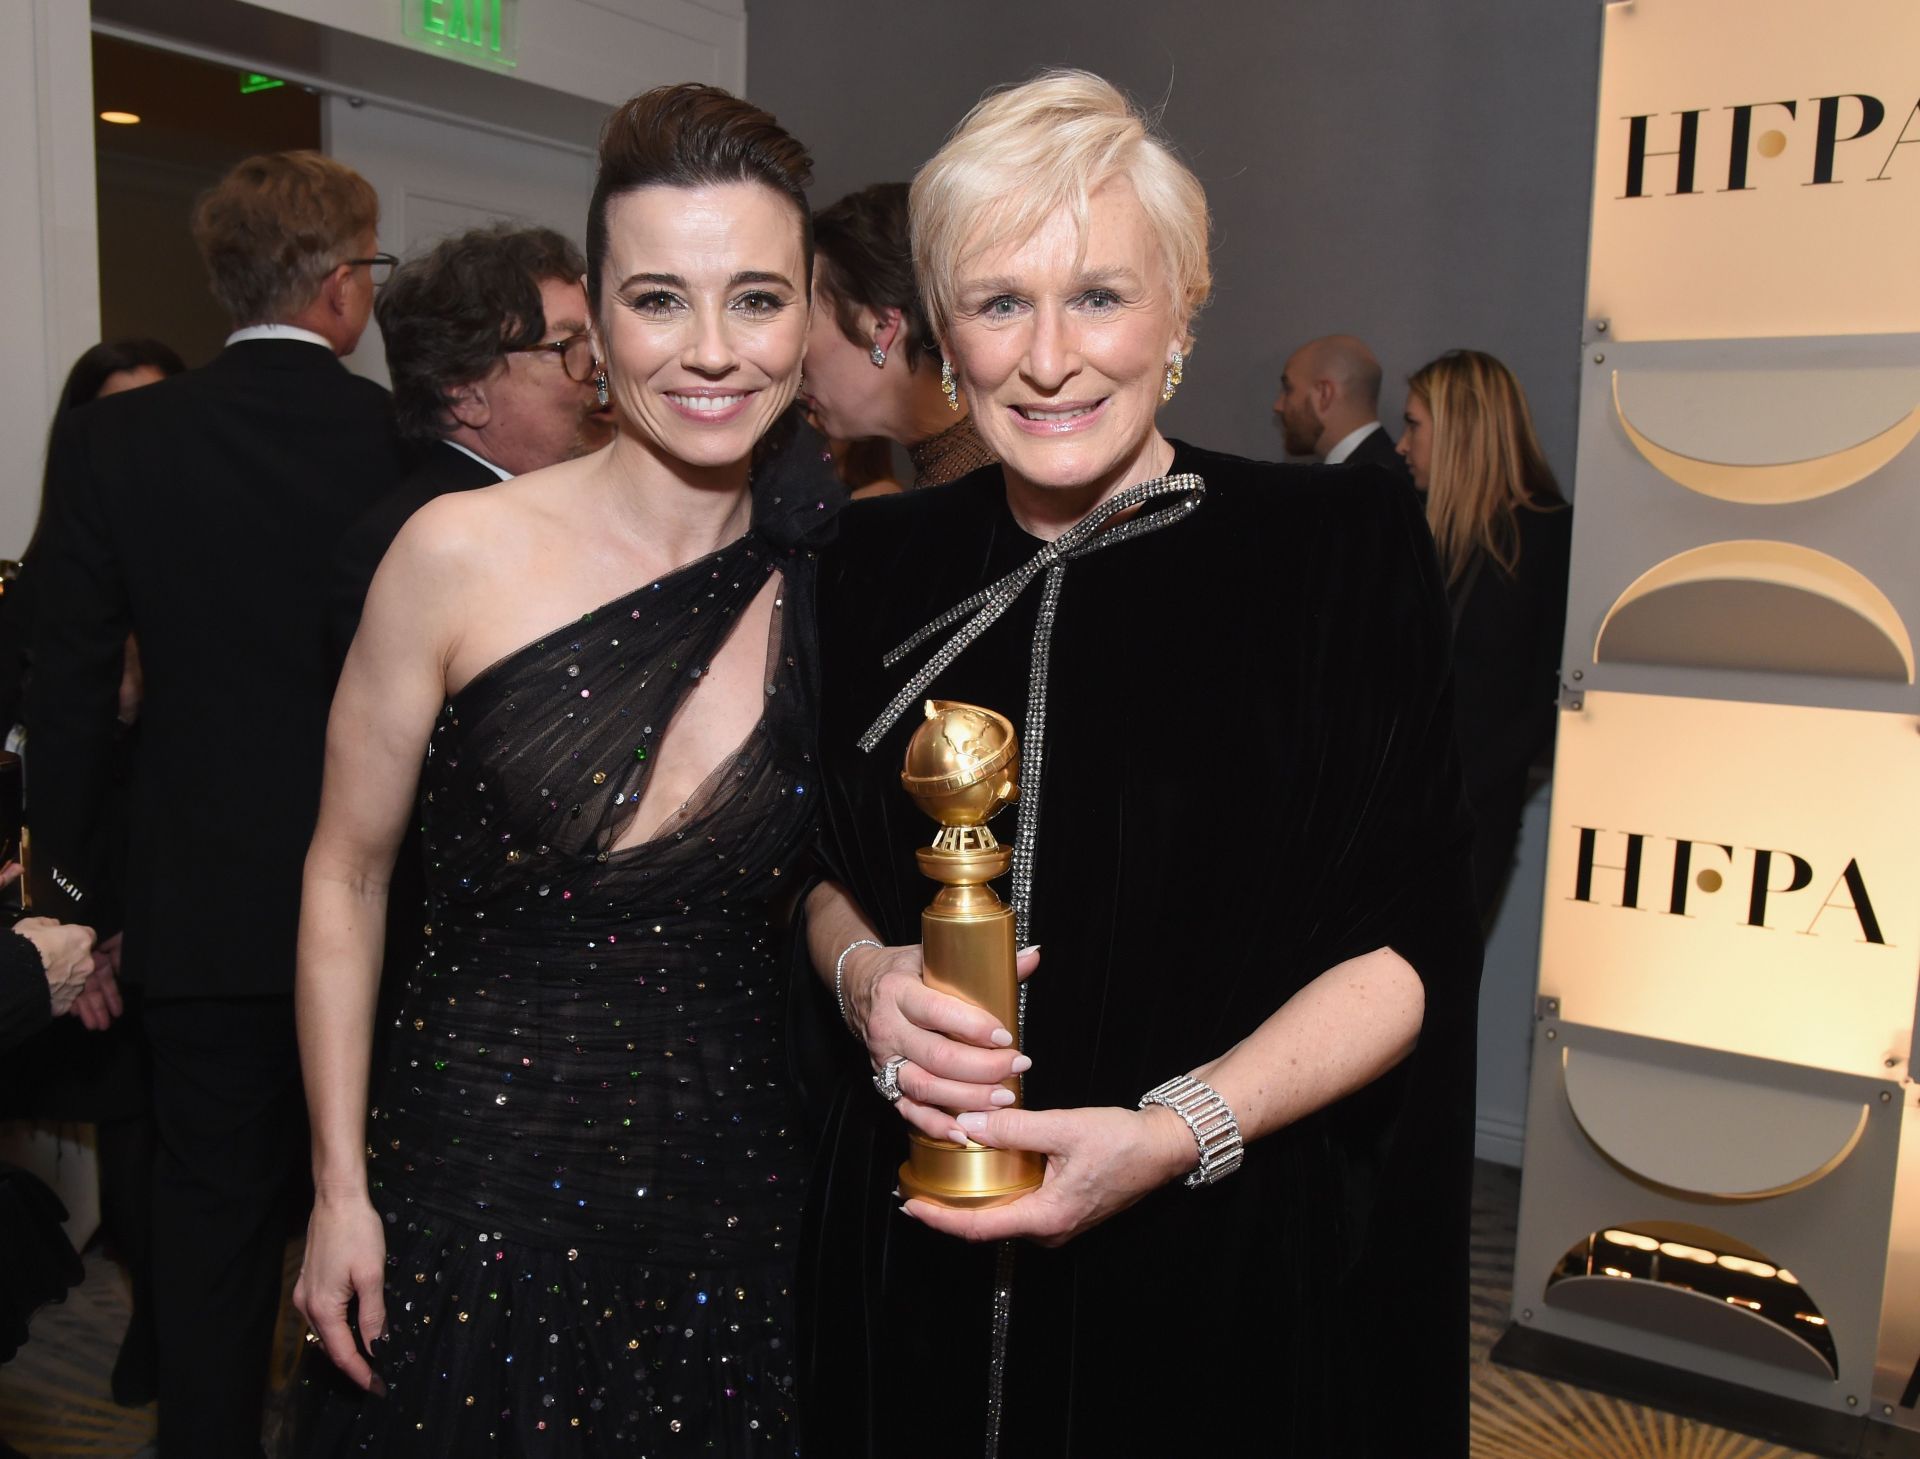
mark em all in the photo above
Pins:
pixel 1176 372
pixel 600 385
pixel 947 387
pixel 878 356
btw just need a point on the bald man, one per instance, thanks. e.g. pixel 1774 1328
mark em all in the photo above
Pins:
pixel 1329 405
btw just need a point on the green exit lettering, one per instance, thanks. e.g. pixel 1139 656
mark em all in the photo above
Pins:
pixel 477 27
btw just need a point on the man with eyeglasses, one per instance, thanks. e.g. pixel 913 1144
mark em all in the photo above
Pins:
pixel 202 514
pixel 492 370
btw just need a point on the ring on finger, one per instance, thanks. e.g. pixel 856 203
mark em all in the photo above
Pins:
pixel 887 1081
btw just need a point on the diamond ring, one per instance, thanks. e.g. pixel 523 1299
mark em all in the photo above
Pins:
pixel 887 1081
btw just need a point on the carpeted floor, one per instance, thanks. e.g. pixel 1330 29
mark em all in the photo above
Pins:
pixel 1521 1416
pixel 53 1397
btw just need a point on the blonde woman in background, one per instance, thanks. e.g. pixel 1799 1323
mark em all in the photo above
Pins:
pixel 1504 533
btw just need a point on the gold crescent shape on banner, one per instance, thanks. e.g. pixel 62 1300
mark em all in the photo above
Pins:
pixel 1737 1141
pixel 1786 481
pixel 1772 606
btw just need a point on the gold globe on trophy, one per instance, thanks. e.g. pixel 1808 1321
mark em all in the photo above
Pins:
pixel 963 767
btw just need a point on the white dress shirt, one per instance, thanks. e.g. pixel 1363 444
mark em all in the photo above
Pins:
pixel 497 470
pixel 279 331
pixel 1346 444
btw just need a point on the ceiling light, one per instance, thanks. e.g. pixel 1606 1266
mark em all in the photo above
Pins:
pixel 121 118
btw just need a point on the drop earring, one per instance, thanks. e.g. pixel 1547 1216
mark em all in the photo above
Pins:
pixel 600 385
pixel 947 387
pixel 878 356
pixel 1176 372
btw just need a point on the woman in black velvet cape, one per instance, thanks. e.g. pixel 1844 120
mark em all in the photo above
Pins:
pixel 1249 791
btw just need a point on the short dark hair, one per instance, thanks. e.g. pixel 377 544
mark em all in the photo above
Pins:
pixel 693 135
pixel 109 358
pixel 448 315
pixel 275 226
pixel 866 259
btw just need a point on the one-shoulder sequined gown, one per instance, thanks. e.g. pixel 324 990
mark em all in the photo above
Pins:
pixel 584 1148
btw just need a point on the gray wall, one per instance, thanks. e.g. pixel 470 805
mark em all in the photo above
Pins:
pixel 1413 172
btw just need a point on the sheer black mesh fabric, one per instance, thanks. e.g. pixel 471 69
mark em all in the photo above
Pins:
pixel 585 1150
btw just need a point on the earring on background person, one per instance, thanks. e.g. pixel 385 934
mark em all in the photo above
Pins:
pixel 947 387
pixel 878 356
pixel 1176 372
pixel 600 385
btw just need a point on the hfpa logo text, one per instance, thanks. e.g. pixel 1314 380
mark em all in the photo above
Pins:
pixel 1781 124
pixel 1767 883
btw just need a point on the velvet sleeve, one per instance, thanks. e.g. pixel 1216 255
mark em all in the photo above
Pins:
pixel 875 548
pixel 1394 819
pixel 1398 875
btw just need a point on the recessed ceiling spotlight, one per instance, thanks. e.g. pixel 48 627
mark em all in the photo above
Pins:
pixel 121 118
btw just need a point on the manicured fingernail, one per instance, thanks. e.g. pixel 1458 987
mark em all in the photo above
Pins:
pixel 377 1386
pixel 959 1137
pixel 1002 1038
pixel 973 1122
pixel 1002 1097
pixel 1035 947
pixel 1021 1063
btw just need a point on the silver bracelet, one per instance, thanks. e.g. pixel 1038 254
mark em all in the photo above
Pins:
pixel 1214 1128
pixel 839 974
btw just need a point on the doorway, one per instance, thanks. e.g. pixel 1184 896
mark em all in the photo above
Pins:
pixel 194 121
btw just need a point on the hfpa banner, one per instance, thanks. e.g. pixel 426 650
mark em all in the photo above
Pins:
pixel 1737 876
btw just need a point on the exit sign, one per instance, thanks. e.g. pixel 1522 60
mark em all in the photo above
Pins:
pixel 479 31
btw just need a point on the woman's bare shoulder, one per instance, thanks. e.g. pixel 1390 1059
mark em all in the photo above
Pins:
pixel 469 534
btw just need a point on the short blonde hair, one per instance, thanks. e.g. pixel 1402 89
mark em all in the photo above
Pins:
pixel 274 227
pixel 1023 154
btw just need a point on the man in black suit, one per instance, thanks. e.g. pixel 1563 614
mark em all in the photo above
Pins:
pixel 493 375
pixel 1329 405
pixel 201 514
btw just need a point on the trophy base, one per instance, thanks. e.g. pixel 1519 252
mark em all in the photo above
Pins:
pixel 967 1176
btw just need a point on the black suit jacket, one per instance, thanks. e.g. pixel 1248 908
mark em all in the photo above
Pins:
pixel 442 469
pixel 201 513
pixel 1506 658
pixel 1376 449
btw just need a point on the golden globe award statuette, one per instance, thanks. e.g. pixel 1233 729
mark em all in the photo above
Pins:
pixel 963 766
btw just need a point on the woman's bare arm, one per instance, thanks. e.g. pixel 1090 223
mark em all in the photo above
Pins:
pixel 390 691
pixel 1339 1033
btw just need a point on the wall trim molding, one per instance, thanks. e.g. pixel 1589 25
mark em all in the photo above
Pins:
pixel 1499 1140
pixel 353 95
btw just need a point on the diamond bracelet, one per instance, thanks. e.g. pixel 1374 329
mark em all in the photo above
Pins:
pixel 1214 1128
pixel 839 973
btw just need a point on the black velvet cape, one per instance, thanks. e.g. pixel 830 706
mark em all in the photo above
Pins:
pixel 1249 778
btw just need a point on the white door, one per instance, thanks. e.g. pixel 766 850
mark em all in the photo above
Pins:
pixel 436 178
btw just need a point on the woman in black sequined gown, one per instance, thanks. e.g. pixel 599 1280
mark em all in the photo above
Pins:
pixel 572 1231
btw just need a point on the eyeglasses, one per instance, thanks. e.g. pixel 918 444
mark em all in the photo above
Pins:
pixel 380 266
pixel 575 351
